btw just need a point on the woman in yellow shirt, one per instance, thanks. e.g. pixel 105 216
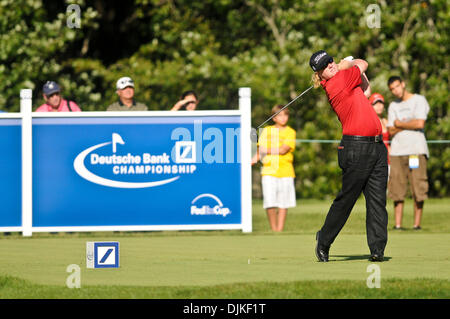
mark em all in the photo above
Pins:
pixel 276 147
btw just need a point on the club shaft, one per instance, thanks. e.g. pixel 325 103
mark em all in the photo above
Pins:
pixel 295 99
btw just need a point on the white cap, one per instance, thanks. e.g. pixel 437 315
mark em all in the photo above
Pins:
pixel 124 82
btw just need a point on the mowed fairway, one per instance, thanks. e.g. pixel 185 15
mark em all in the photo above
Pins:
pixel 200 260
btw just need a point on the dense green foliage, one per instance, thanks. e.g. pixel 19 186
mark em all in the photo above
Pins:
pixel 215 47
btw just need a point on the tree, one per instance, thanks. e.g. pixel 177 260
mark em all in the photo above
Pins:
pixel 31 48
pixel 215 47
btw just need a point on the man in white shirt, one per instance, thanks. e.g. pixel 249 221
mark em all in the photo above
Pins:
pixel 409 150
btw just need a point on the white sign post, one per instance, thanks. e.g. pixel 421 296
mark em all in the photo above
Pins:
pixel 27 163
pixel 246 157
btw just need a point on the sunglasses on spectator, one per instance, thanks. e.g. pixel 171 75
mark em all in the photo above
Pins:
pixel 53 94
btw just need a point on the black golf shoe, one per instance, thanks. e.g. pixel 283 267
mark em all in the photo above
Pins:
pixel 321 251
pixel 376 257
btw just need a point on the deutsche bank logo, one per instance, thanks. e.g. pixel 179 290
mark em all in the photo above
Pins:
pixel 102 255
pixel 185 152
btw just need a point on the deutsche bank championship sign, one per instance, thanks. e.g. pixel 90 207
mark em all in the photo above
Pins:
pixel 137 171
pixel 10 174
pixel 142 171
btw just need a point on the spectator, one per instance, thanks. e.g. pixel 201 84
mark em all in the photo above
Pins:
pixel 409 150
pixel 276 147
pixel 377 101
pixel 126 102
pixel 54 101
pixel 188 100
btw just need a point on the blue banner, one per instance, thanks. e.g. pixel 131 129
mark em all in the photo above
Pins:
pixel 119 171
pixel 10 173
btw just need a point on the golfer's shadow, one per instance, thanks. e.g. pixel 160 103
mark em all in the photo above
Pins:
pixel 354 257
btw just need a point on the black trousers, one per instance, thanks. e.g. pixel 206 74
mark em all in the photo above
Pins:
pixel 364 169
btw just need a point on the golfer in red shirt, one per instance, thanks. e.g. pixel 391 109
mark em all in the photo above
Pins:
pixel 362 155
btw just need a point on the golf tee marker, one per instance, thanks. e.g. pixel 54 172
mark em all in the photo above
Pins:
pixel 102 255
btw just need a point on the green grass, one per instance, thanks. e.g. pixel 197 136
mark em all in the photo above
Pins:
pixel 231 264
pixel 15 288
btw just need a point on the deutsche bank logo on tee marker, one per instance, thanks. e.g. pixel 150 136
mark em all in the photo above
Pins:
pixel 102 254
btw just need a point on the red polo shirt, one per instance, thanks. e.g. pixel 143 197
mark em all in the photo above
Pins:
pixel 350 104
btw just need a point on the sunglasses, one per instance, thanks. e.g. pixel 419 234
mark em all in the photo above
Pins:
pixel 53 94
pixel 328 61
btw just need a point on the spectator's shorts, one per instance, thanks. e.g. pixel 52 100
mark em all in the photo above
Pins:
pixel 278 192
pixel 399 175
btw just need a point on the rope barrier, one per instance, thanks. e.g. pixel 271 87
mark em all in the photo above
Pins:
pixel 338 141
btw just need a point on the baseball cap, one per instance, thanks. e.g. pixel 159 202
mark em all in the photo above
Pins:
pixel 374 98
pixel 124 82
pixel 51 87
pixel 319 60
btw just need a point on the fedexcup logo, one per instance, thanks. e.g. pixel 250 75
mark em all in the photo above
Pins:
pixel 207 209
pixel 111 169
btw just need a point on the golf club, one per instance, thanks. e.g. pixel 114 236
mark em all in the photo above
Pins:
pixel 254 134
